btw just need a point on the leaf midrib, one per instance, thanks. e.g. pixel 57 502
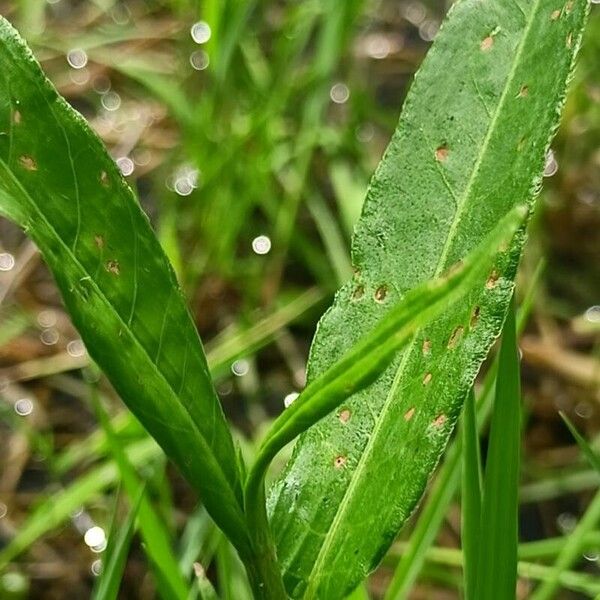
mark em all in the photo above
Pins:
pixel 356 476
pixel 107 303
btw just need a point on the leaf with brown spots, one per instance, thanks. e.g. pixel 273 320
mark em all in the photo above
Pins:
pixel 470 144
pixel 58 182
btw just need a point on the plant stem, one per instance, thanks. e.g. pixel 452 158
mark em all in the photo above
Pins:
pixel 263 570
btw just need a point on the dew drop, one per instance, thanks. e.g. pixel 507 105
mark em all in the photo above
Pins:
pixel 125 165
pixel 96 567
pixel 76 348
pixel 111 101
pixel 592 314
pixel 200 32
pixel 77 58
pixel 49 337
pixel 199 60
pixel 261 244
pixel 23 407
pixel 289 399
pixel 7 261
pixel 339 93
pixel 240 367
pixel 551 166
pixel 95 538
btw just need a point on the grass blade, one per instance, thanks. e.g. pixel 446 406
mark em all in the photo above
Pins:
pixel 471 495
pixel 157 540
pixel 62 187
pixel 497 563
pixel 575 544
pixel 115 556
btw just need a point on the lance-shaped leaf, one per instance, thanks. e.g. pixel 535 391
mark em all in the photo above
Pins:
pixel 58 182
pixel 471 143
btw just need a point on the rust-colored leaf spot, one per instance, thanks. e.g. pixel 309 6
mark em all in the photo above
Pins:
pixel 408 415
pixel 99 241
pixel 569 6
pixel 492 280
pixel 28 163
pixel 345 415
pixel 16 117
pixel 555 15
pixel 427 379
pixel 358 293
pixel 475 316
pixel 426 347
pixel 441 154
pixel 381 293
pixel 439 421
pixel 523 92
pixel 340 461
pixel 487 43
pixel 455 337
pixel 112 266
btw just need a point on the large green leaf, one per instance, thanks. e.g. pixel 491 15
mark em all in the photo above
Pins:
pixel 471 143
pixel 58 182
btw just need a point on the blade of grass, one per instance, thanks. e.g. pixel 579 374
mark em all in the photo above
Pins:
pixel 158 546
pixel 575 543
pixel 471 494
pixel 497 563
pixel 115 556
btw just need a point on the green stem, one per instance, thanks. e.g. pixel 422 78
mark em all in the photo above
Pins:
pixel 263 569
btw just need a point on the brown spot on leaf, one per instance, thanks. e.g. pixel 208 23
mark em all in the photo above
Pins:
pixel 112 266
pixel 340 461
pixel 427 379
pixel 104 178
pixel 569 6
pixel 475 316
pixel 380 293
pixel 408 415
pixel 358 293
pixel 490 284
pixel 441 154
pixel 555 15
pixel 426 347
pixel 487 43
pixel 345 415
pixel 99 241
pixel 455 337
pixel 16 117
pixel 28 163
pixel 524 91
pixel 439 421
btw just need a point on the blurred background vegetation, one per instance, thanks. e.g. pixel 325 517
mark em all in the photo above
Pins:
pixel 250 130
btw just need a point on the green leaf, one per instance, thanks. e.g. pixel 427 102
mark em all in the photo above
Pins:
pixel 158 547
pixel 471 494
pixel 59 184
pixel 471 144
pixel 497 561
pixel 115 556
pixel 572 548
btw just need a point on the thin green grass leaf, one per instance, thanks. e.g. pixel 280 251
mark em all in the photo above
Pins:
pixel 575 544
pixel 158 545
pixel 497 563
pixel 471 494
pixel 114 557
